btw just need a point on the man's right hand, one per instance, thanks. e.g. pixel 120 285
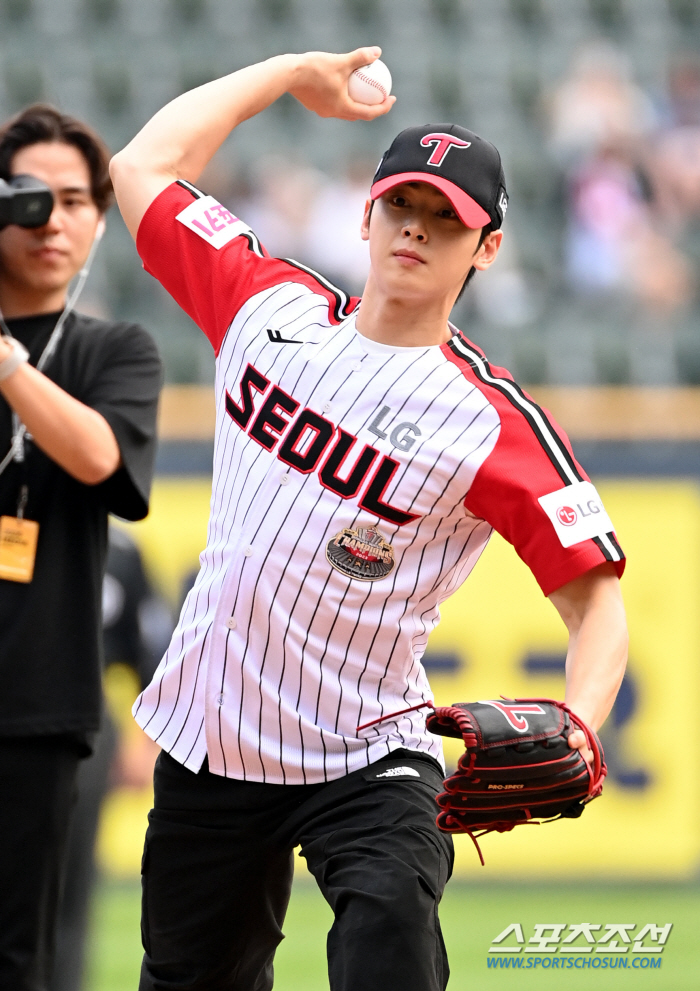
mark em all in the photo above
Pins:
pixel 321 85
pixel 179 141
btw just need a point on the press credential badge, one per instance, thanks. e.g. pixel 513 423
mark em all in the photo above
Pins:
pixel 18 540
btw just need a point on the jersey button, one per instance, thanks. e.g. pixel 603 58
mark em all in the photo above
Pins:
pixel 219 700
pixel 357 367
pixel 284 480
pixel 248 551
pixel 231 623
pixel 327 407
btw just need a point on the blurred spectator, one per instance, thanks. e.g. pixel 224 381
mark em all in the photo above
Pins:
pixel 506 298
pixel 607 207
pixel 675 155
pixel 614 246
pixel 676 167
pixel 137 628
pixel 227 180
pixel 597 104
pixel 622 189
pixel 684 93
pixel 278 210
pixel 333 242
pixel 661 277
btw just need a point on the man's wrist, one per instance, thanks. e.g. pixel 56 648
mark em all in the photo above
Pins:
pixel 293 66
pixel 12 354
pixel 587 714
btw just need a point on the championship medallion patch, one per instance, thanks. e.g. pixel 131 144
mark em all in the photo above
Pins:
pixel 363 554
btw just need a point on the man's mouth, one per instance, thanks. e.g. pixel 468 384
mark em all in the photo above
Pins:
pixel 47 253
pixel 411 257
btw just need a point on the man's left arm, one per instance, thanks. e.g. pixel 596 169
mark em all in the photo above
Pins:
pixel 592 609
pixel 76 437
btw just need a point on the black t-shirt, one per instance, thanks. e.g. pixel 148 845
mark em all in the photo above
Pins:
pixel 50 628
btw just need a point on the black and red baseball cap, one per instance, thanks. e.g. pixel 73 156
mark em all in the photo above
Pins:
pixel 463 166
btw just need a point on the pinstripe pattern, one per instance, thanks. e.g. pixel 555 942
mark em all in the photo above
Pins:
pixel 278 657
pixel 313 653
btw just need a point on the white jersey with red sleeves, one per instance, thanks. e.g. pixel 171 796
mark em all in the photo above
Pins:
pixel 354 487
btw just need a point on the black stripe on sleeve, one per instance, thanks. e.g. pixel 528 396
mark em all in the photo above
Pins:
pixel 343 307
pixel 251 237
pixel 552 444
pixel 253 243
pixel 602 547
pixel 197 193
pixel 609 547
pixel 613 540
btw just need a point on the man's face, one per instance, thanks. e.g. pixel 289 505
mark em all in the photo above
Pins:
pixel 419 248
pixel 45 259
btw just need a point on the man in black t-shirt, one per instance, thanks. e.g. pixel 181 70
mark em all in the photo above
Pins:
pixel 77 441
pixel 137 625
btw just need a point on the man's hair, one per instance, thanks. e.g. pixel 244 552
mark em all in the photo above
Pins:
pixel 485 231
pixel 41 123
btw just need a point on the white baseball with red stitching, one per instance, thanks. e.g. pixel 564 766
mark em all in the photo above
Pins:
pixel 370 84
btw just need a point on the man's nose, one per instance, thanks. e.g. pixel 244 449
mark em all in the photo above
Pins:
pixel 414 230
pixel 54 223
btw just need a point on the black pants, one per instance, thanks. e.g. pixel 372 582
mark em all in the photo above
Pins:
pixel 217 875
pixel 80 868
pixel 37 791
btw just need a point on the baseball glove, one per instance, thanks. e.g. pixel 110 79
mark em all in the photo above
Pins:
pixel 518 767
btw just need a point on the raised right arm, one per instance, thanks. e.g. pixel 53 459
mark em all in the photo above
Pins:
pixel 179 141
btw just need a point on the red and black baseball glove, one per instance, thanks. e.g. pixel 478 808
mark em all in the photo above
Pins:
pixel 518 766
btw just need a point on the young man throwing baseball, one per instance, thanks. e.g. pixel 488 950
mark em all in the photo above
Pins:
pixel 364 452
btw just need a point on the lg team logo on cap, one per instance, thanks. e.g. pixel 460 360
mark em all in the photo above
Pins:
pixel 443 143
pixel 566 515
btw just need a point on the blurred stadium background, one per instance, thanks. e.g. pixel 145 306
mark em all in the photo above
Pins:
pixel 594 305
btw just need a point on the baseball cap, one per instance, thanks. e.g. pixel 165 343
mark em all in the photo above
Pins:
pixel 463 166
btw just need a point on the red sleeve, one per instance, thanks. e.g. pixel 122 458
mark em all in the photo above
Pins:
pixel 211 262
pixel 531 459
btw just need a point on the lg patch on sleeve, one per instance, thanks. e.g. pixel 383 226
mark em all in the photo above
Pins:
pixel 577 513
pixel 212 222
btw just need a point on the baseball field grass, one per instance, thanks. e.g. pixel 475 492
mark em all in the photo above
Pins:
pixel 472 915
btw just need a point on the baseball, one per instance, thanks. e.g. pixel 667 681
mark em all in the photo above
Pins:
pixel 370 83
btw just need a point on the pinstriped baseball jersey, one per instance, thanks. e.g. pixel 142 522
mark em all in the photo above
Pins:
pixel 355 486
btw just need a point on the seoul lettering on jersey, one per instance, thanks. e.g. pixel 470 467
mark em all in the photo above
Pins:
pixel 354 488
pixel 313 443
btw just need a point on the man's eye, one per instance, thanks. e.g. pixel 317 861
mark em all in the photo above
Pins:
pixel 399 201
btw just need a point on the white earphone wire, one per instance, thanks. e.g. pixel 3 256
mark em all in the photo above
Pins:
pixel 19 430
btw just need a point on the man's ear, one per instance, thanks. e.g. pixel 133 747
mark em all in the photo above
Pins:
pixel 486 255
pixel 364 227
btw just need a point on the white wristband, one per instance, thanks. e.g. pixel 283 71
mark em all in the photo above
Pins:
pixel 17 356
